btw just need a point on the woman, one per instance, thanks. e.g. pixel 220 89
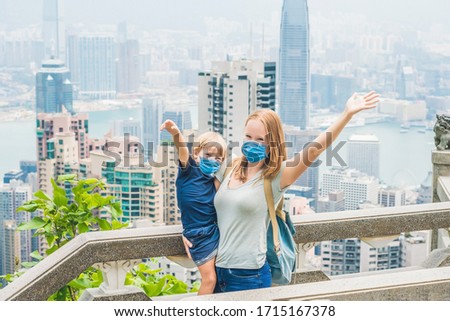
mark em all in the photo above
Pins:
pixel 242 213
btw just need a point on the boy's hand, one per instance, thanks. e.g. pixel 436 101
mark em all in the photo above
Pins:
pixel 187 246
pixel 171 127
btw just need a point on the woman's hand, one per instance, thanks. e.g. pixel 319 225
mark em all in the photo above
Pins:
pixel 187 246
pixel 356 103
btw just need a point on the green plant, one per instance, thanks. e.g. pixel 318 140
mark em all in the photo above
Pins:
pixel 61 221
pixel 154 285
pixel 63 216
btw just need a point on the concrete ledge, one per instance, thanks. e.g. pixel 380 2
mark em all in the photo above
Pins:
pixel 428 285
pixel 129 293
pixel 38 283
pixel 437 258
pixel 443 188
pixel 371 222
pixel 303 277
pixel 87 249
pixel 439 157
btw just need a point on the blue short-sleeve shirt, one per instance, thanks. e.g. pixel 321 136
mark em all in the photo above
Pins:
pixel 195 196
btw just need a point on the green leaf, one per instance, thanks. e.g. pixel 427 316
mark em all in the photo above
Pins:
pixel 51 250
pixel 154 289
pixel 117 225
pixel 50 239
pixel 59 195
pixel 36 255
pixel 41 195
pixel 104 225
pixel 116 210
pixel 68 177
pixel 80 284
pixel 83 228
pixel 35 223
pixel 28 207
pixel 90 181
pixel 29 265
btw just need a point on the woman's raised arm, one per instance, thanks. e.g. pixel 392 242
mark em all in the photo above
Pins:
pixel 302 160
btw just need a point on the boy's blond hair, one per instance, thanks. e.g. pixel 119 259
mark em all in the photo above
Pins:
pixel 210 139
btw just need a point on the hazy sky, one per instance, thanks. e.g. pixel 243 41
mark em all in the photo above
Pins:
pixel 189 14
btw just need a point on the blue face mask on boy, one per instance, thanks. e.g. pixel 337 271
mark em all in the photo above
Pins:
pixel 209 166
pixel 253 151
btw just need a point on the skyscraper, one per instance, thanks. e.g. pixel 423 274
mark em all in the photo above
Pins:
pixel 91 58
pixel 127 127
pixel 62 140
pixel 152 110
pixel 363 154
pixel 299 139
pixel 10 248
pixel 53 88
pixel 294 64
pixel 127 67
pixel 12 196
pixel 181 117
pixel 53 31
pixel 230 92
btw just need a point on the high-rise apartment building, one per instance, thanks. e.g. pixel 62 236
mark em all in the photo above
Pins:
pixel 10 248
pixel 53 31
pixel 391 197
pixel 53 88
pixel 340 256
pixel 357 186
pixel 363 154
pixel 62 140
pixel 92 60
pixel 415 247
pixel 386 257
pixel 230 92
pixel 146 192
pixel 12 196
pixel 294 64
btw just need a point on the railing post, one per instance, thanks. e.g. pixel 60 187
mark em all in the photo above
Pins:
pixel 441 167
pixel 113 286
pixel 303 248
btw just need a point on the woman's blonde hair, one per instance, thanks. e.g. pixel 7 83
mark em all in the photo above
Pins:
pixel 276 144
pixel 211 139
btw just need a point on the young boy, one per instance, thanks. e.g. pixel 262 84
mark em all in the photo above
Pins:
pixel 196 188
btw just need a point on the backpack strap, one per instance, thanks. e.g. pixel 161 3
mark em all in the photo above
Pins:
pixel 272 213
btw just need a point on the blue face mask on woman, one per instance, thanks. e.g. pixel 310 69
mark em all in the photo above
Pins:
pixel 253 151
pixel 209 166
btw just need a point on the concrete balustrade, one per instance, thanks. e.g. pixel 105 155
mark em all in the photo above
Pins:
pixel 117 248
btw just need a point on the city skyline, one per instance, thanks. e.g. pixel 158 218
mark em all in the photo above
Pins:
pixel 125 67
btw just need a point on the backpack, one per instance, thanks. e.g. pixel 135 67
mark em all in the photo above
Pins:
pixel 281 248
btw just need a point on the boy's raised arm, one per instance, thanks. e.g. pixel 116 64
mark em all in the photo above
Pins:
pixel 178 139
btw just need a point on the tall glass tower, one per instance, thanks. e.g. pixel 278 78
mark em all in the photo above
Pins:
pixel 294 64
pixel 53 29
pixel 53 88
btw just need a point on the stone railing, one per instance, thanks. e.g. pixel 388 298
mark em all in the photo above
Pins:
pixel 115 252
pixel 441 176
